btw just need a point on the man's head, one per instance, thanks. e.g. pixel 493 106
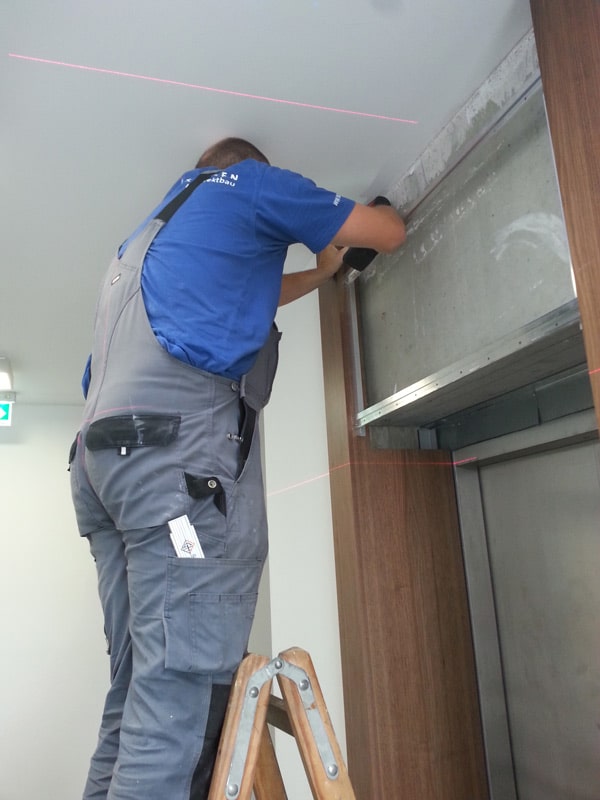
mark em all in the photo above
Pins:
pixel 229 151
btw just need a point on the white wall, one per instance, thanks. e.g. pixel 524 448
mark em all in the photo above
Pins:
pixel 301 560
pixel 54 668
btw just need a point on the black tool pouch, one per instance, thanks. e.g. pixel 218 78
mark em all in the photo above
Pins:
pixel 256 385
pixel 255 390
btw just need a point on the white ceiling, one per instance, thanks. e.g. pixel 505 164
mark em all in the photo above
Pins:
pixel 105 102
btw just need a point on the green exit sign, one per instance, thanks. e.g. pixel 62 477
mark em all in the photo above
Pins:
pixel 6 413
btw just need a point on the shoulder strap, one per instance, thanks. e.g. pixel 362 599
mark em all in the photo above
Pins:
pixel 167 212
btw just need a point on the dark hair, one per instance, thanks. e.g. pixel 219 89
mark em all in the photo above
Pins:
pixel 229 151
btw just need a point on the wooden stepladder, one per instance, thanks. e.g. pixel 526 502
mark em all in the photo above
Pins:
pixel 246 759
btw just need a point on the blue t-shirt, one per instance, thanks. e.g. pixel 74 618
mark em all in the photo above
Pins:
pixel 212 276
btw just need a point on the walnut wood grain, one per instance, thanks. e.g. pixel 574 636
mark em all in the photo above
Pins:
pixel 567 34
pixel 412 717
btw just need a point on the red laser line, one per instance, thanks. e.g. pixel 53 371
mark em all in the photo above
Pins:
pixel 594 371
pixel 298 485
pixel 308 480
pixel 212 89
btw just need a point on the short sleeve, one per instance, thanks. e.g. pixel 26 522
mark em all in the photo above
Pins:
pixel 291 208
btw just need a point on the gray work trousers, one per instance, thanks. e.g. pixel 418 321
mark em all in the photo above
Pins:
pixel 176 627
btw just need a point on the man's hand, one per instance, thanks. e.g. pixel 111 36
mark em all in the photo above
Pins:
pixel 329 260
pixel 297 284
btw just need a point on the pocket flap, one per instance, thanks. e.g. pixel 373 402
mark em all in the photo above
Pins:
pixel 132 430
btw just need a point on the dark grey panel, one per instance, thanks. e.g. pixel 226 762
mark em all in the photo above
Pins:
pixel 541 514
pixel 529 507
pixel 543 401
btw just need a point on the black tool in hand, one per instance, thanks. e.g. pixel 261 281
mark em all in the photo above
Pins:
pixel 358 258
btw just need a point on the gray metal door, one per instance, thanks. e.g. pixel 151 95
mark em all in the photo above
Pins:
pixel 537 614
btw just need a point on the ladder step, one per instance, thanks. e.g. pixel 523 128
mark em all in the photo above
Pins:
pixel 277 715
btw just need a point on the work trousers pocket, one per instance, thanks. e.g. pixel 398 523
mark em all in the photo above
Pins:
pixel 209 609
pixel 134 465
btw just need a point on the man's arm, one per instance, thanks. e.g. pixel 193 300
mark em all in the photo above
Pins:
pixel 297 284
pixel 378 227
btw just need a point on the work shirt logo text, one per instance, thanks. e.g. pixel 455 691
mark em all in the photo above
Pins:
pixel 226 178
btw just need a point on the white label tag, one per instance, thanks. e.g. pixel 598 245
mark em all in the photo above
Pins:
pixel 184 538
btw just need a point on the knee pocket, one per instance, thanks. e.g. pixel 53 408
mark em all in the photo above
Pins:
pixel 208 614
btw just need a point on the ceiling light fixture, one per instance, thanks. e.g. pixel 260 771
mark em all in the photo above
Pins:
pixel 7 396
pixel 6 380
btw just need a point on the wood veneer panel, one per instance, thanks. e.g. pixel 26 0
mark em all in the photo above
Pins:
pixel 412 716
pixel 567 34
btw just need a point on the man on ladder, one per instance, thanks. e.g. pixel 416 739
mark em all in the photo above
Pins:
pixel 165 471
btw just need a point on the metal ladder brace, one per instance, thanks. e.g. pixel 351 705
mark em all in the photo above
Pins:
pixel 246 760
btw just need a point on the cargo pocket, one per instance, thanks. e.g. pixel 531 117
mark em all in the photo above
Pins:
pixel 208 614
